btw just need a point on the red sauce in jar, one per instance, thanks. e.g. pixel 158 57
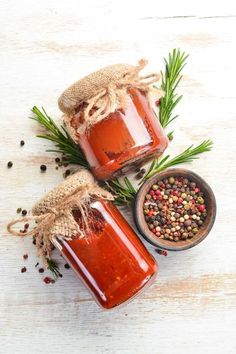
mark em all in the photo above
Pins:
pixel 112 261
pixel 124 139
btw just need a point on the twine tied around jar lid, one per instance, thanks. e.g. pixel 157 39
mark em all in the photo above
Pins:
pixel 53 214
pixel 103 92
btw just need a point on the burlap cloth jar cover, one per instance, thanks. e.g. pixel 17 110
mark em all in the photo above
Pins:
pixel 53 214
pixel 103 92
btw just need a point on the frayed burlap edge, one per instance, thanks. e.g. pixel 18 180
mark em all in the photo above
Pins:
pixel 53 213
pixel 103 91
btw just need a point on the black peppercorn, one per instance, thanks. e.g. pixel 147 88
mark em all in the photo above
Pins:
pixel 9 164
pixel 139 175
pixel 22 143
pixel 43 168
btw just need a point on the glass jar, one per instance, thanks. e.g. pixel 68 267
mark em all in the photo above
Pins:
pixel 124 140
pixel 111 261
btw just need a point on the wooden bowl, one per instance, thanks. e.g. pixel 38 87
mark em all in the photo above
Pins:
pixel 204 230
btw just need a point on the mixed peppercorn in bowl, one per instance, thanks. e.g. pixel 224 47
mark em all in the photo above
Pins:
pixel 175 209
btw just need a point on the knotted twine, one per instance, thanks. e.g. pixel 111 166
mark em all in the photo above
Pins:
pixel 103 92
pixel 53 214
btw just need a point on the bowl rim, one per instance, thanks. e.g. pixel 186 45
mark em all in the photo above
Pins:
pixel 148 236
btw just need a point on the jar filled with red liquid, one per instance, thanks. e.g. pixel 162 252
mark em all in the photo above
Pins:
pixel 79 218
pixel 122 140
pixel 111 261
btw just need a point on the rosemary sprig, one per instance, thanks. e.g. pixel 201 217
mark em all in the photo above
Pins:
pixel 124 193
pixel 188 155
pixel 64 144
pixel 170 80
pixel 54 268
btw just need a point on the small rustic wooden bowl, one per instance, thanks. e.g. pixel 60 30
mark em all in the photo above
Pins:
pixel 210 203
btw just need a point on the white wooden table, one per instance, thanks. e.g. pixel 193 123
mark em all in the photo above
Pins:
pixel 44 46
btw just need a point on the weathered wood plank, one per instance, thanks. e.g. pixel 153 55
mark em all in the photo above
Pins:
pixel 43 48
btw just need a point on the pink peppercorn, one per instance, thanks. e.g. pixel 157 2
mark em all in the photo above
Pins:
pixel 47 280
pixel 201 207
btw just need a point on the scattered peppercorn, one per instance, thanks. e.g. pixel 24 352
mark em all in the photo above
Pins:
pixel 25 256
pixel 67 172
pixel 57 159
pixel 162 252
pixel 24 212
pixel 9 164
pixel 41 270
pixel 47 280
pixel 18 210
pixel 174 209
pixel 22 143
pixel 67 266
pixel 43 168
pixel 26 226
pixel 139 175
pixel 23 270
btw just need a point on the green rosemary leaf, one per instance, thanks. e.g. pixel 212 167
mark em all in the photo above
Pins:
pixel 188 155
pixel 124 192
pixel 170 80
pixel 59 136
pixel 170 135
pixel 129 185
pixel 52 265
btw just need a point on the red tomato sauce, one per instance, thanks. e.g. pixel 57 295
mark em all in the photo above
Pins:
pixel 124 139
pixel 111 261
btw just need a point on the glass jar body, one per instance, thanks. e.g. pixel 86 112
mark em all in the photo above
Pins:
pixel 123 140
pixel 111 261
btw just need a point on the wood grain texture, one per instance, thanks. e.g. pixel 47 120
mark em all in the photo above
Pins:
pixel 44 47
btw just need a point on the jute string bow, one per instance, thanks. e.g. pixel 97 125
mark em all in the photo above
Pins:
pixel 53 214
pixel 103 92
